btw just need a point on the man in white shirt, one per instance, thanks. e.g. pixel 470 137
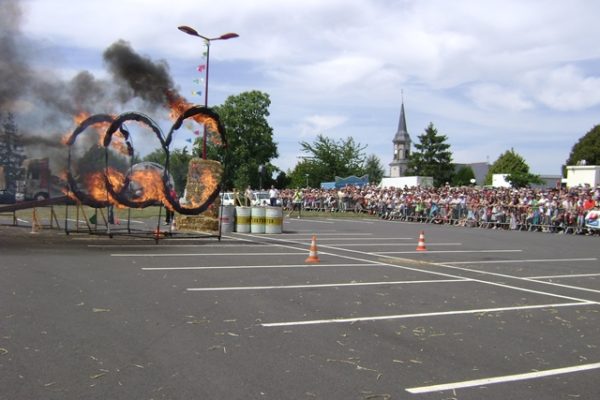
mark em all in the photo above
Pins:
pixel 273 196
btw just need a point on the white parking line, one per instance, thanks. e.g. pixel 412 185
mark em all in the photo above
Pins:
pixel 363 238
pixel 395 244
pixel 502 379
pixel 157 246
pixel 446 251
pixel 447 275
pixel 421 315
pixel 564 286
pixel 312 266
pixel 200 254
pixel 293 218
pixel 539 260
pixel 362 235
pixel 562 276
pixel 326 285
pixel 522 279
pixel 351 220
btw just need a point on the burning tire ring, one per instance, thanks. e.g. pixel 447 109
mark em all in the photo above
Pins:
pixel 117 124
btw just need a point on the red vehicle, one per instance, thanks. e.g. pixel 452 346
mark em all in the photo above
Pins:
pixel 39 183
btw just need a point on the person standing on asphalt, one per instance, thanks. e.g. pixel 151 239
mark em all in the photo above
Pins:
pixel 273 195
pixel 297 203
pixel 248 196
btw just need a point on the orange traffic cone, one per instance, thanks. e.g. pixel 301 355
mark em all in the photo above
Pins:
pixel 312 255
pixel 421 244
pixel 35 223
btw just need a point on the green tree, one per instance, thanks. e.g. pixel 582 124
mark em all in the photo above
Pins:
pixel 374 169
pixel 327 158
pixel 587 148
pixel 94 160
pixel 463 176
pixel 432 157
pixel 249 140
pixel 515 166
pixel 282 180
pixel 11 152
pixel 306 174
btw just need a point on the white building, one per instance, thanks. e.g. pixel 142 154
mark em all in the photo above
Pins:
pixel 581 175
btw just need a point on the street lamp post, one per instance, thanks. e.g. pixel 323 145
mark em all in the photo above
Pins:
pixel 191 31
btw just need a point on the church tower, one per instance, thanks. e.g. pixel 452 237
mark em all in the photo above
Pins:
pixel 401 148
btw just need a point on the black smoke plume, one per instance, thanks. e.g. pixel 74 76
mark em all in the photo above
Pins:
pixel 138 76
pixel 44 104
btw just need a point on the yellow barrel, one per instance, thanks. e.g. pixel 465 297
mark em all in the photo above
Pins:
pixel 257 222
pixel 274 220
pixel 242 219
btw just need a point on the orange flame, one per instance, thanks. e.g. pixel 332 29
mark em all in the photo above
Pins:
pixel 96 185
pixel 179 105
pixel 77 119
pixel 207 180
pixel 100 128
pixel 118 143
pixel 152 186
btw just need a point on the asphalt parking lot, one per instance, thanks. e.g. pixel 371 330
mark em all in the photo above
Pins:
pixel 481 314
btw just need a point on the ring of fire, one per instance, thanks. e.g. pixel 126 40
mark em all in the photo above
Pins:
pixel 115 185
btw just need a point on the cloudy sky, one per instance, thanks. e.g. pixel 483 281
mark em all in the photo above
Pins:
pixel 490 75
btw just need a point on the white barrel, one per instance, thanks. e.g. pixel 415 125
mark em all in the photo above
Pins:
pixel 242 219
pixel 274 220
pixel 257 222
pixel 226 218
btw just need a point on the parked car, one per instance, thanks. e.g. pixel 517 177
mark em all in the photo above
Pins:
pixel 261 199
pixel 227 199
pixel 7 197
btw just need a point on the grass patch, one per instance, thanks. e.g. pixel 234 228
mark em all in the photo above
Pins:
pixel 44 213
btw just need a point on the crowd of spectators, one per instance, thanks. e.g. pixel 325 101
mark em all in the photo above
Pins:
pixel 557 210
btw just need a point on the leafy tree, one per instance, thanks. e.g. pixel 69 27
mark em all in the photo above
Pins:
pixel 11 152
pixel 519 179
pixel 94 160
pixel 306 174
pixel 328 158
pixel 463 176
pixel 282 180
pixel 432 157
pixel 374 169
pixel 515 166
pixel 587 148
pixel 249 140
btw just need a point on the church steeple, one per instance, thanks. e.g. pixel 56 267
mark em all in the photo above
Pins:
pixel 402 133
pixel 401 146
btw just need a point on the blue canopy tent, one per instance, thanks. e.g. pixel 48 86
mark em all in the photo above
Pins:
pixel 348 181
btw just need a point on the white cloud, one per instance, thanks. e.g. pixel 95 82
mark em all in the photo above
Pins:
pixel 314 125
pixel 344 63
pixel 491 96
pixel 565 88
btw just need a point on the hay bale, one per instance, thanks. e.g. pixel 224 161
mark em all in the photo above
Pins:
pixel 204 176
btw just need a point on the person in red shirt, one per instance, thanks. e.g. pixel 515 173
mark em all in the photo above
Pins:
pixel 588 203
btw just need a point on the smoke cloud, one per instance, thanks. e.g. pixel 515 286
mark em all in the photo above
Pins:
pixel 138 76
pixel 44 105
pixel 14 72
